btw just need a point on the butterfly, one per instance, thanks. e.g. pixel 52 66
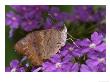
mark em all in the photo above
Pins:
pixel 40 45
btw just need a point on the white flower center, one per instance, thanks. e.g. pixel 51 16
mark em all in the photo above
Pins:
pixel 55 14
pixel 13 70
pixel 14 18
pixel 58 65
pixel 24 8
pixel 101 60
pixel 71 49
pixel 92 45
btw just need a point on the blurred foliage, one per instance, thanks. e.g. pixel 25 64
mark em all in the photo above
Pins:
pixel 9 45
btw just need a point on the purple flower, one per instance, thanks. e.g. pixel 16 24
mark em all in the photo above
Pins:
pixel 14 63
pixel 48 24
pixel 72 59
pixel 66 17
pixel 60 62
pixel 29 25
pixel 75 67
pixel 82 13
pixel 96 43
pixel 95 64
pixel 86 13
pixel 33 17
pixel 85 68
pixel 56 14
pixel 55 65
pixel 23 9
pixel 12 20
pixel 100 15
pixel 15 67
pixel 58 25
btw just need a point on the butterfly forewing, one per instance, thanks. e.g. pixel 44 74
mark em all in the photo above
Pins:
pixel 40 45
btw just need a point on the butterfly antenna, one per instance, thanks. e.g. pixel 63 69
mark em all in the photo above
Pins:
pixel 71 35
pixel 72 40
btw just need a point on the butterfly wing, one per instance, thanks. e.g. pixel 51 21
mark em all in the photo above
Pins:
pixel 40 45
pixel 29 46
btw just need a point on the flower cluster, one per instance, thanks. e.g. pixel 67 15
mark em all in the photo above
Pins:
pixel 87 54
pixel 18 66
pixel 30 18
pixel 83 56
pixel 15 67
pixel 86 13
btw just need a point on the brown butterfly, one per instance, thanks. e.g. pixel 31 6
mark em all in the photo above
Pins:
pixel 41 45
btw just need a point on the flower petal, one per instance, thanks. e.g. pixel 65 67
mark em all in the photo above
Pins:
pixel 96 38
pixel 101 47
pixel 84 68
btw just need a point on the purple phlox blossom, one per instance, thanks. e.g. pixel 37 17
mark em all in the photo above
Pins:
pixel 72 58
pixel 66 17
pixel 82 13
pixel 33 17
pixel 99 16
pixel 86 13
pixel 96 64
pixel 29 25
pixel 96 43
pixel 63 61
pixel 97 59
pixel 49 24
pixel 58 25
pixel 85 68
pixel 55 13
pixel 23 9
pixel 93 64
pixel 73 50
pixel 57 64
pixel 14 67
pixel 12 20
pixel 75 67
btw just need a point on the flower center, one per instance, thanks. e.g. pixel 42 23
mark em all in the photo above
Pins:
pixel 14 18
pixel 85 7
pixel 55 14
pixel 80 60
pixel 77 16
pixel 92 45
pixel 24 8
pixel 37 8
pixel 58 65
pixel 101 60
pixel 29 22
pixel 90 17
pixel 71 48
